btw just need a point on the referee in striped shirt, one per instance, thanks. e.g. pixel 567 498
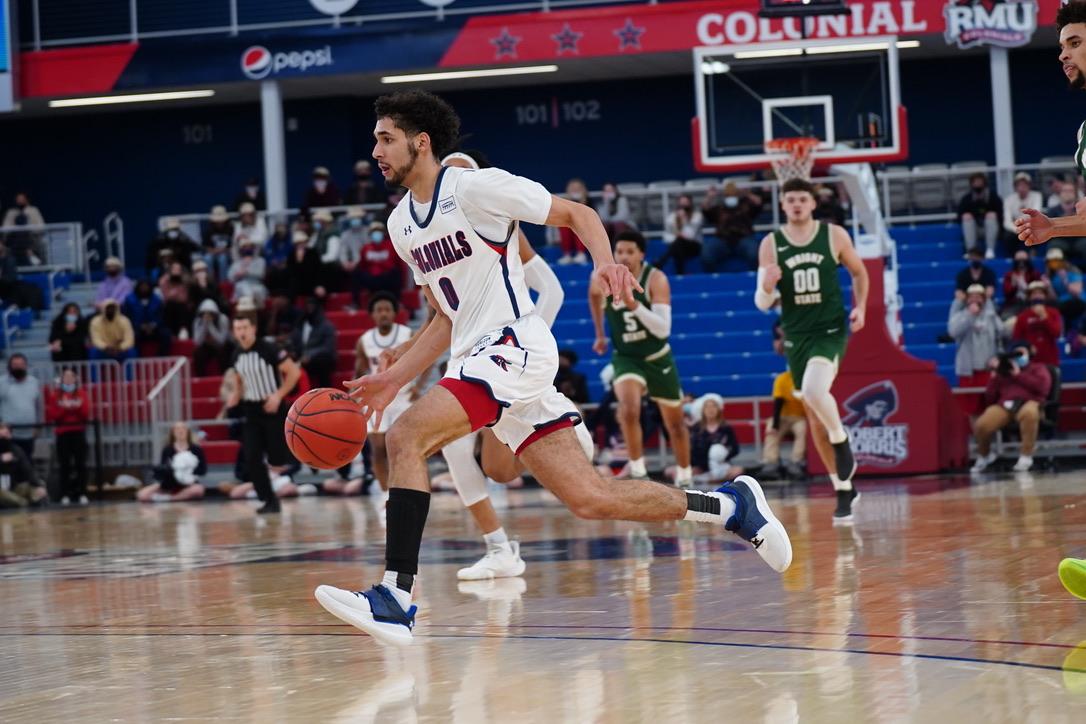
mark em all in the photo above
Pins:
pixel 265 375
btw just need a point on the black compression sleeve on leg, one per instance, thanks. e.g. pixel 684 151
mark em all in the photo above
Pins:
pixel 405 519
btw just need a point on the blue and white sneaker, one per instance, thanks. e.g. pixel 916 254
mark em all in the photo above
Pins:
pixel 754 522
pixel 376 611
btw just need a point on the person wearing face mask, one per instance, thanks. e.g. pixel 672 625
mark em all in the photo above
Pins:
pixel 20 486
pixel 980 208
pixel 978 333
pixel 174 240
pixel 572 249
pixel 218 240
pixel 1023 197
pixel 379 268
pixel 735 215
pixel 977 272
pixel 145 309
pixel 315 339
pixel 247 274
pixel 323 191
pixel 175 288
pixel 682 234
pixel 354 238
pixel 26 246
pixel 1065 280
pixel 204 286
pixel 1016 284
pixel 251 226
pixel 615 211
pixel 1040 325
pixel 111 334
pixel 115 287
pixel 1015 393
pixel 67 408
pixel 1073 246
pixel 326 243
pixel 68 335
pixel 363 190
pixel 20 401
pixel 251 193
pixel 211 337
pixel 275 253
pixel 303 269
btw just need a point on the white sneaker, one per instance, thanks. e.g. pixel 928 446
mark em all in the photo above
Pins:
pixel 565 259
pixel 1025 462
pixel 84 501
pixel 501 563
pixel 65 501
pixel 580 258
pixel 375 611
pixel 161 498
pixel 983 462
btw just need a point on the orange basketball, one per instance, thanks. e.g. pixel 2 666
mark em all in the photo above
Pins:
pixel 325 428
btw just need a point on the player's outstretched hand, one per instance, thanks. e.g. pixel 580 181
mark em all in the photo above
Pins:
pixel 856 319
pixel 618 281
pixel 374 392
pixel 1033 227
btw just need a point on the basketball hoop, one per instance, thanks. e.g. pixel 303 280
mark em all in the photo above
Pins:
pixel 792 157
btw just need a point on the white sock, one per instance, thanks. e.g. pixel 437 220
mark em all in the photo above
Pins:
pixel 705 511
pixel 839 484
pixel 837 435
pixel 496 541
pixel 684 473
pixel 402 597
pixel 637 467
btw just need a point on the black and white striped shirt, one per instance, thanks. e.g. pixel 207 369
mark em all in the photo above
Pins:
pixel 258 368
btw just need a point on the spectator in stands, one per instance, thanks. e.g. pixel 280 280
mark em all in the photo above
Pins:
pixel 351 242
pixel 682 234
pixel 24 488
pixel 615 211
pixel 789 418
pixel 1016 392
pixel 67 408
pixel 211 337
pixel 315 341
pixel 829 207
pixel 68 335
pixel 304 269
pixel 978 209
pixel 180 467
pixel 713 442
pixel 323 192
pixel 26 246
pixel 145 310
pixel 978 332
pixel 1016 282
pixel 379 267
pixel 734 224
pixel 276 250
pixel 1073 247
pixel 977 272
pixel 204 287
pixel 1023 197
pixel 175 288
pixel 174 239
pixel 247 274
pixel 572 249
pixel 711 205
pixel 1040 325
pixel 21 402
pixel 569 381
pixel 1066 282
pixel 1055 185
pixel 325 241
pixel 251 193
pixel 363 190
pixel 111 334
pixel 15 291
pixel 116 286
pixel 251 226
pixel 218 239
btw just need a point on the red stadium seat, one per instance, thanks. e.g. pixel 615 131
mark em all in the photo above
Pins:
pixel 224 452
pixel 206 386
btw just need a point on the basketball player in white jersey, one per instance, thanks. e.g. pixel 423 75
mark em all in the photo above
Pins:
pixel 453 229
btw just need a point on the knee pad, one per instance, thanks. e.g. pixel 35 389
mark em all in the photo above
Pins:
pixel 818 378
pixel 464 469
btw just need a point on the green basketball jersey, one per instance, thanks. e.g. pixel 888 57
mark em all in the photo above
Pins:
pixel 1080 151
pixel 628 336
pixel 811 299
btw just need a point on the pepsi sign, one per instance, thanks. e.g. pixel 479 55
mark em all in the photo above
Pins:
pixel 257 62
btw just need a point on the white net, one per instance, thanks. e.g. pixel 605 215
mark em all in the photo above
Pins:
pixel 792 157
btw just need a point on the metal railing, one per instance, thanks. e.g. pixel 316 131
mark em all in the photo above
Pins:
pixel 56 246
pixel 193 224
pixel 169 401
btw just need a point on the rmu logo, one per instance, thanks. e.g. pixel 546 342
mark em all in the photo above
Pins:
pixel 1008 23
pixel 875 440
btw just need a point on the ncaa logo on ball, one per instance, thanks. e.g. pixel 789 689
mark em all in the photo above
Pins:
pixel 257 62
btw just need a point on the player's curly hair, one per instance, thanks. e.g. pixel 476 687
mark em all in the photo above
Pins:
pixel 1071 13
pixel 418 111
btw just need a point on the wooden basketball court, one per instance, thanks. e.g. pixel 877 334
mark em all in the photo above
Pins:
pixel 942 602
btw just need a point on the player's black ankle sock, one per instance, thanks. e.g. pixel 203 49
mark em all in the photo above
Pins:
pixel 405 518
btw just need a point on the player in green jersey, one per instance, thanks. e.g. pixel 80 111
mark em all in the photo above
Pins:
pixel 642 360
pixel 1034 227
pixel 797 268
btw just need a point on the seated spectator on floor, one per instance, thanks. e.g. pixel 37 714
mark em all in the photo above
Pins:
pixel 977 272
pixel 1016 283
pixel 145 310
pixel 218 240
pixel 251 226
pixel 20 486
pixel 977 332
pixel 304 269
pixel 829 208
pixel 67 408
pixel 615 211
pixel 175 288
pixel 68 335
pixel 276 251
pixel 247 274
pixel 26 246
pixel 363 190
pixel 204 286
pixel 111 334
pixel 115 287
pixel 323 192
pixel 175 240
pixel 713 443
pixel 572 249
pixel 15 291
pixel 315 341
pixel 682 234
pixel 251 193
pixel 180 467
pixel 1074 246
pixel 1040 325
pixel 21 402
pixel 980 209
pixel 211 337
pixel 1066 282
pixel 1018 389
pixel 789 418
pixel 379 267
pixel 734 227
pixel 1023 197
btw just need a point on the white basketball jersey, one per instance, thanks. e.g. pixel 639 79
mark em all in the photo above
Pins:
pixel 478 281
pixel 374 343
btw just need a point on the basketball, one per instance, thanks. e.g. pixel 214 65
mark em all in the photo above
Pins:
pixel 325 428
